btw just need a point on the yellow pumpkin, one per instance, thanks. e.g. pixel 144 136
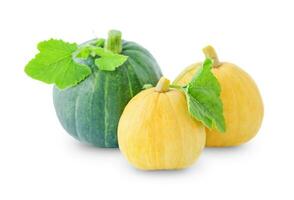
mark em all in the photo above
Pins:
pixel 156 131
pixel 243 107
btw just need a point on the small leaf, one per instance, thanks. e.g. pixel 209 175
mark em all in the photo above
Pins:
pixel 147 86
pixel 110 62
pixel 203 98
pixel 54 64
pixel 83 53
pixel 106 60
pixel 100 42
pixel 99 51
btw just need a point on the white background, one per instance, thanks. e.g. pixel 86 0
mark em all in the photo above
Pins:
pixel 39 160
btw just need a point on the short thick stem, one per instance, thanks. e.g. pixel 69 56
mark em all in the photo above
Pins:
pixel 162 85
pixel 209 52
pixel 114 42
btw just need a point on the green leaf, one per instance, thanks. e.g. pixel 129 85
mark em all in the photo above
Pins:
pixel 203 98
pixel 100 42
pixel 83 53
pixel 110 62
pixel 99 51
pixel 147 86
pixel 107 60
pixel 54 64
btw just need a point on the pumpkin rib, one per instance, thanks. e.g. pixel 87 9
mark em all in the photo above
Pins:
pixel 235 92
pixel 224 74
pixel 135 70
pixel 135 50
pixel 129 82
pixel 146 97
pixel 149 150
pixel 92 98
pixel 146 65
pixel 245 78
pixel 149 95
pixel 240 78
pixel 71 101
pixel 234 96
pixel 136 47
pixel 105 110
pixel 75 117
pixel 131 115
pixel 121 93
pixel 100 108
pixel 177 121
pixel 154 110
pixel 137 54
pixel 95 86
pixel 82 97
pixel 134 79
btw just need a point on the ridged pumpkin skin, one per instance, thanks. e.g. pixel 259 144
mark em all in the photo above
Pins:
pixel 91 110
pixel 156 131
pixel 243 107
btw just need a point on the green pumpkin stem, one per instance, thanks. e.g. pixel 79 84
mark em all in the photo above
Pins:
pixel 114 42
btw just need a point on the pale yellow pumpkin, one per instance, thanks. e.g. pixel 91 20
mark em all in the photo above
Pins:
pixel 243 107
pixel 156 131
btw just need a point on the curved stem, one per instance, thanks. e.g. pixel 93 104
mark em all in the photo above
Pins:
pixel 209 52
pixel 175 86
pixel 178 87
pixel 114 42
pixel 162 85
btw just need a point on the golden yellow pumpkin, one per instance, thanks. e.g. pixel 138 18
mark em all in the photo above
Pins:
pixel 156 131
pixel 243 107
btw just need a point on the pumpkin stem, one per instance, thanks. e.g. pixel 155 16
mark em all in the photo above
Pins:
pixel 162 85
pixel 209 52
pixel 114 42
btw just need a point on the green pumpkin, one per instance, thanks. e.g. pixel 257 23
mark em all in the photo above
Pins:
pixel 90 111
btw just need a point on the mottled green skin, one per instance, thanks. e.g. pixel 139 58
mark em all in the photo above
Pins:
pixel 91 110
